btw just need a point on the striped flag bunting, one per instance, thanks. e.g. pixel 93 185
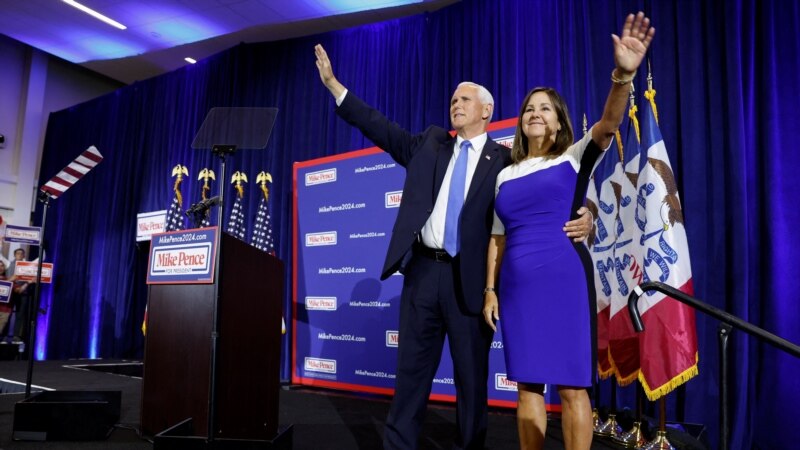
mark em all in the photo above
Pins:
pixel 74 171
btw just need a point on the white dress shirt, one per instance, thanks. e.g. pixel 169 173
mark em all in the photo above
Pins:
pixel 433 231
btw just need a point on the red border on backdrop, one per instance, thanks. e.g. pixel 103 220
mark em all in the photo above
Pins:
pixel 321 383
pixel 296 379
pixel 506 123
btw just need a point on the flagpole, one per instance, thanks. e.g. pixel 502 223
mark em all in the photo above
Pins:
pixel 661 442
pixel 56 186
pixel 724 332
pixel 37 293
pixel 221 151
pixel 639 402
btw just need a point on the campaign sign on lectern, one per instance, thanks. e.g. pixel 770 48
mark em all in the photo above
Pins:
pixel 182 257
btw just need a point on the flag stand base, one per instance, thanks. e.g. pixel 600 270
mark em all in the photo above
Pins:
pixel 659 443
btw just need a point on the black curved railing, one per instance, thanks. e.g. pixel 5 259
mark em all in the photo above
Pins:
pixel 728 322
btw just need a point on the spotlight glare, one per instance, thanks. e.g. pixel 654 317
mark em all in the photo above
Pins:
pixel 95 14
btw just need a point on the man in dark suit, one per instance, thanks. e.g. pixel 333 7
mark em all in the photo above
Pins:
pixel 440 246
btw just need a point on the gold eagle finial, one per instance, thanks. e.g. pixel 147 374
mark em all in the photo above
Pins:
pixel 205 175
pixel 179 171
pixel 262 178
pixel 237 179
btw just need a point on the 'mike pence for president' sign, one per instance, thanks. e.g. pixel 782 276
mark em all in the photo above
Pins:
pixel 183 257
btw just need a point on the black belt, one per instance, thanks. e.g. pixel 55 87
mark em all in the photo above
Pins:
pixel 433 253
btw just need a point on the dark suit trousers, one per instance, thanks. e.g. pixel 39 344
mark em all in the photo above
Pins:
pixel 429 310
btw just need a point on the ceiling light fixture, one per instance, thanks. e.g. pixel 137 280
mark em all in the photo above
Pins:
pixel 95 14
pixel 190 60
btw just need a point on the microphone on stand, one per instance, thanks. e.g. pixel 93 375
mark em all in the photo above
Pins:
pixel 203 206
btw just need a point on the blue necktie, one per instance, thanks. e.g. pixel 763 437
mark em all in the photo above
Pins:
pixel 455 200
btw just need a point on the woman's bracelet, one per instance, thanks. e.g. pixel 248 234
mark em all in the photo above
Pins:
pixel 620 81
pixel 488 289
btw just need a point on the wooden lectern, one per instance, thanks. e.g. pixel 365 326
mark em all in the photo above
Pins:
pixel 177 360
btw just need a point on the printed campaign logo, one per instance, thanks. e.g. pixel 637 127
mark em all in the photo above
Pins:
pixel 28 270
pixel 393 199
pixel 502 383
pixel 183 257
pixel 321 238
pixel 320 365
pixel 150 223
pixel 23 235
pixel 503 136
pixel 5 291
pixel 392 338
pixel 321 177
pixel 507 141
pixel 374 167
pixel 321 303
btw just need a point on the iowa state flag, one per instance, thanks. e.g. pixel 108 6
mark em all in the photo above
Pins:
pixel 601 201
pixel 668 346
pixel 623 340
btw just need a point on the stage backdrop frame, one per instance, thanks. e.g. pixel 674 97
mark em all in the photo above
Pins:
pixel 344 319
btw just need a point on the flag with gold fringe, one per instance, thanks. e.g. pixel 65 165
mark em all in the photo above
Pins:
pixel 603 364
pixel 236 226
pixel 144 321
pixel 205 175
pixel 668 346
pixel 601 202
pixel 623 340
pixel 262 228
pixel 174 219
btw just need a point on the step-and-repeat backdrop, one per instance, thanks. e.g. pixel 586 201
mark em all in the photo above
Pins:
pixel 345 319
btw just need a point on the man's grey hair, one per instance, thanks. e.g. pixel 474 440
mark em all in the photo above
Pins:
pixel 484 95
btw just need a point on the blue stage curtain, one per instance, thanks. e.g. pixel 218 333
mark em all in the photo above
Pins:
pixel 726 73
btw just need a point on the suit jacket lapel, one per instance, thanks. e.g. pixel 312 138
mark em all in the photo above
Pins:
pixel 488 158
pixel 443 157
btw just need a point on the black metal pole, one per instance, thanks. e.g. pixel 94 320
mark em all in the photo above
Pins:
pixel 597 392
pixel 724 333
pixel 222 151
pixel 729 321
pixel 639 402
pixel 33 309
pixel 613 404
pixel 636 318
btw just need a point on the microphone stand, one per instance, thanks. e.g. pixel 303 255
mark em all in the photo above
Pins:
pixel 221 151
pixel 199 209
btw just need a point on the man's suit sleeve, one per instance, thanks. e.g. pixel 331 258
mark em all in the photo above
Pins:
pixel 387 135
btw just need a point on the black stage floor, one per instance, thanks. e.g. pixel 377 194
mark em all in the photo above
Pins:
pixel 321 419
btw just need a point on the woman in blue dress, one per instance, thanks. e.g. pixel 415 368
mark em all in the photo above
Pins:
pixel 545 285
